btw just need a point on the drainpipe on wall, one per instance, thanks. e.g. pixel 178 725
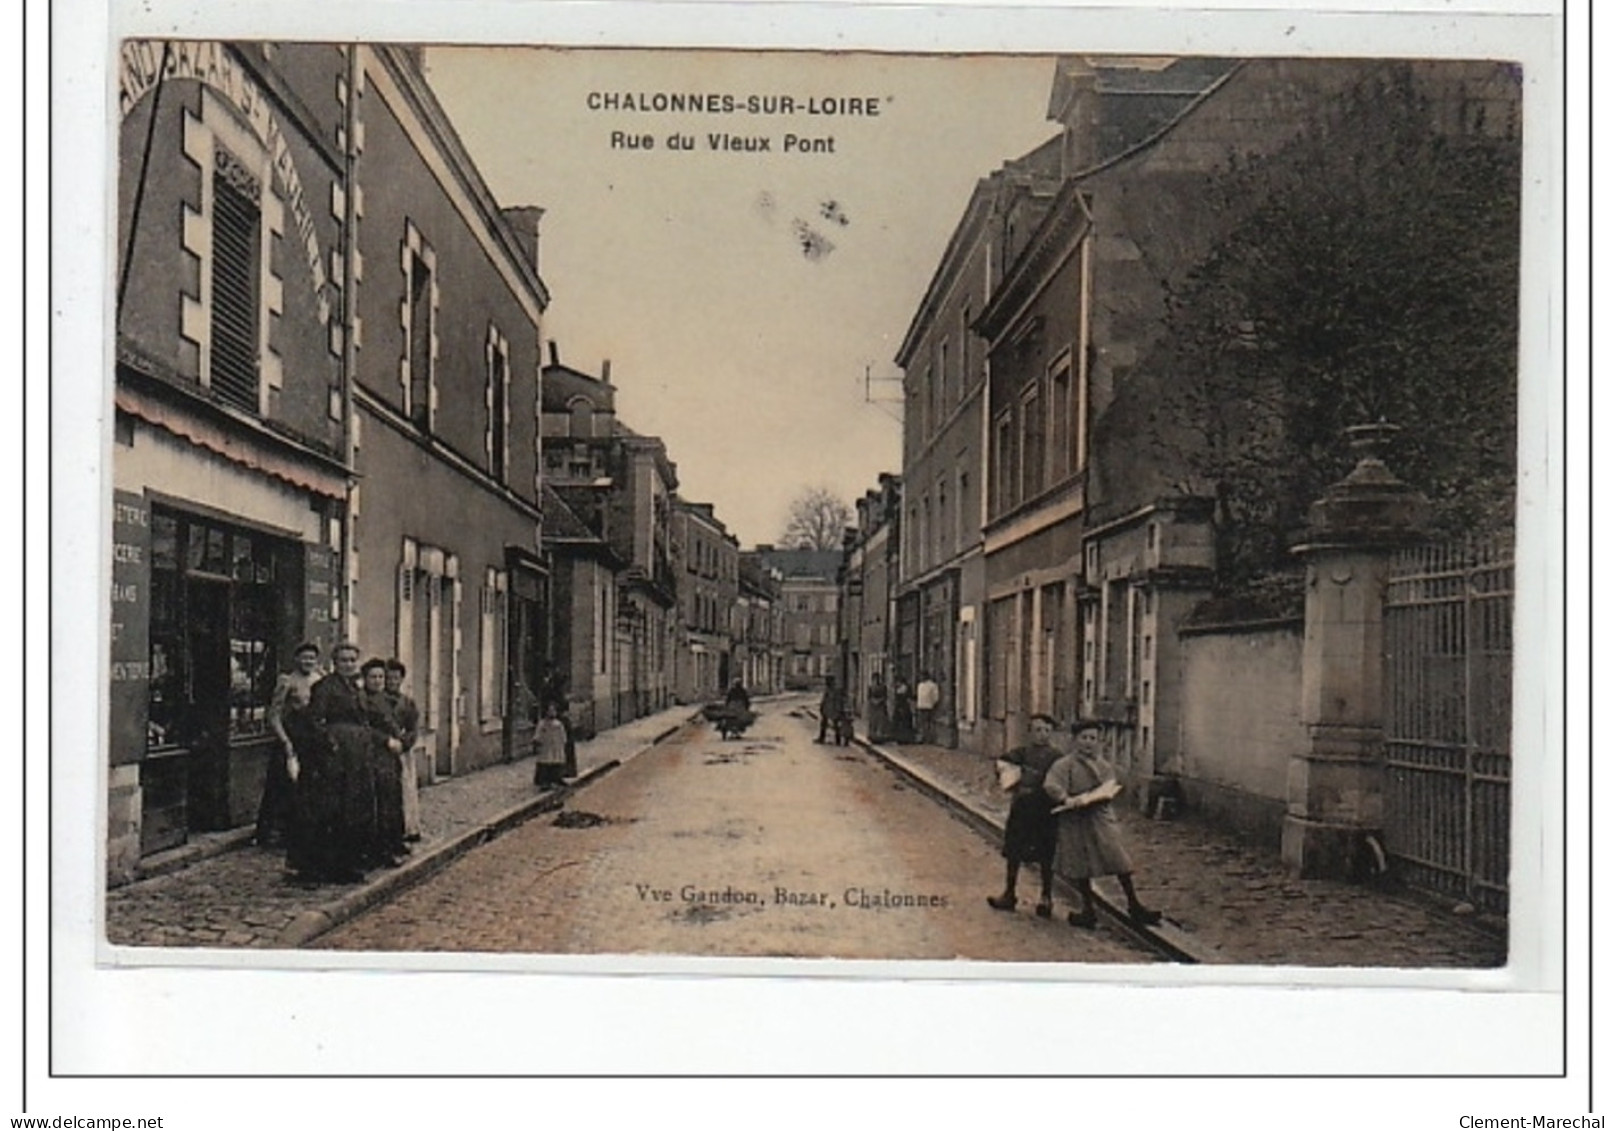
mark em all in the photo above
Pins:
pixel 350 311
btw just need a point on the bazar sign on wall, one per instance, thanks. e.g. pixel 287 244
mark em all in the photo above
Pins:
pixel 143 63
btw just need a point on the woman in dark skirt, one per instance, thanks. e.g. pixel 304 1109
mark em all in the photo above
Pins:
pixel 386 768
pixel 902 713
pixel 1029 830
pixel 334 821
pixel 880 720
pixel 1081 786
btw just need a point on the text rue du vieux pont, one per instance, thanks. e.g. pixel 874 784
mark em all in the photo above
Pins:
pixel 819 109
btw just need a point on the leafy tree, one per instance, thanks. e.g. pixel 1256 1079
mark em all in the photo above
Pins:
pixel 816 521
pixel 1373 274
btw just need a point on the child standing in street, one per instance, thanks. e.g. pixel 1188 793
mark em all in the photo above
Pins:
pixel 1081 786
pixel 549 741
pixel 1029 830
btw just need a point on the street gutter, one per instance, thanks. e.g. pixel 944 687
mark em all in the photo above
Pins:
pixel 1164 938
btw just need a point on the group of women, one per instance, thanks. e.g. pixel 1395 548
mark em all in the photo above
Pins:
pixel 1060 818
pixel 350 791
pixel 891 711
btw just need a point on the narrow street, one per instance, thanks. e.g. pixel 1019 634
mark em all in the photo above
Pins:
pixel 767 845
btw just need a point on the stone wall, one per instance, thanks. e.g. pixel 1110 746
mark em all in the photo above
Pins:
pixel 1241 723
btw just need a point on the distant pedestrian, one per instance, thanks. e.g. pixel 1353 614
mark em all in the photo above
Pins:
pixel 549 743
pixel 880 720
pixel 832 704
pixel 736 715
pixel 408 717
pixel 289 721
pixel 902 712
pixel 1029 829
pixel 926 697
pixel 1081 787
pixel 556 695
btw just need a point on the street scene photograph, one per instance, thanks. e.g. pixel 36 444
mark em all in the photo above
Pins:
pixel 983 508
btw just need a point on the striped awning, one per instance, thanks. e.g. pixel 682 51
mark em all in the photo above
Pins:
pixel 263 455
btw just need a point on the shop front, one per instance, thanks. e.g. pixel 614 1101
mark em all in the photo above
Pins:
pixel 207 606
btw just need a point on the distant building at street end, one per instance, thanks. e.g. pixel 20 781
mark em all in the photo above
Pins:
pixel 808 589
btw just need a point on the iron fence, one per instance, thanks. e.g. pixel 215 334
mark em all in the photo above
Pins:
pixel 1449 673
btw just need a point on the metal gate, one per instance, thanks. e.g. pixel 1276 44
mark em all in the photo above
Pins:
pixel 1449 634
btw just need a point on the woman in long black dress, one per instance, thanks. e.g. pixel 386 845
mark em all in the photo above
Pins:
pixel 880 722
pixel 902 712
pixel 288 720
pixel 334 827
pixel 385 746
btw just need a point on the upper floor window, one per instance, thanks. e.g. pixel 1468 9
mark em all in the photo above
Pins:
pixel 420 341
pixel 498 402
pixel 582 422
pixel 1031 442
pixel 234 329
pixel 1062 422
pixel 964 351
pixel 933 401
pixel 494 642
pixel 1003 466
pixel 923 547
pixel 961 511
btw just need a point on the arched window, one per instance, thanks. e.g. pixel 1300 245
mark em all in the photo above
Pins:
pixel 582 417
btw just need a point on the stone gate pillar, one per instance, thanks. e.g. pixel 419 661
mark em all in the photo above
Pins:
pixel 1336 787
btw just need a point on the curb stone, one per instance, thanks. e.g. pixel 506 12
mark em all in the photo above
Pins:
pixel 313 922
pixel 193 852
pixel 1164 937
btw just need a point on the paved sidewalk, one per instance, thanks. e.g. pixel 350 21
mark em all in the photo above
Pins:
pixel 1227 901
pixel 224 892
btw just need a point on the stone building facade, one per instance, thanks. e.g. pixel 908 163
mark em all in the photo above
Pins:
pixel 941 588
pixel 708 571
pixel 811 595
pixel 759 653
pixel 230 464
pixel 443 567
pixel 1100 538
pixel 610 537
pixel 327 419
pixel 867 579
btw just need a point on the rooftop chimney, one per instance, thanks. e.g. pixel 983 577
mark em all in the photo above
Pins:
pixel 524 222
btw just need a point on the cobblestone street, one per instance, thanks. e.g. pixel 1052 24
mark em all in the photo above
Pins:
pixel 1238 900
pixel 774 810
pixel 241 898
pixel 769 845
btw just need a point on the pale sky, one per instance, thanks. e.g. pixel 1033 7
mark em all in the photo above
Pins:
pixel 688 269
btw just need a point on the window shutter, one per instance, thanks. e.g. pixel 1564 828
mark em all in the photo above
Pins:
pixel 233 369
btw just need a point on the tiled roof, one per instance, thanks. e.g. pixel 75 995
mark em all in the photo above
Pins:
pixel 561 524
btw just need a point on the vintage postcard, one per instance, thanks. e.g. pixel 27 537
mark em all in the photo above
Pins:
pixel 1046 515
